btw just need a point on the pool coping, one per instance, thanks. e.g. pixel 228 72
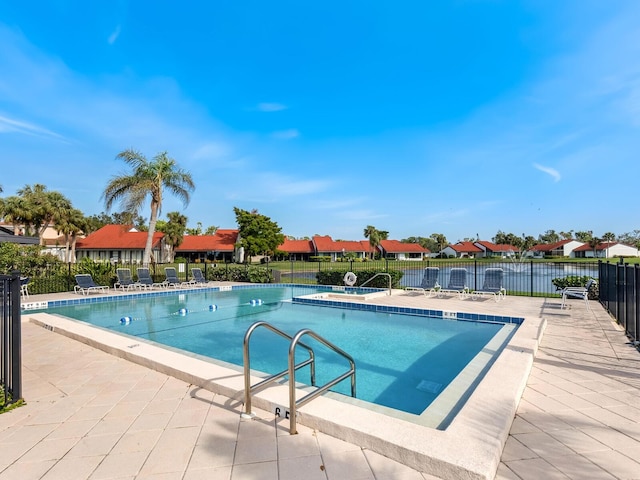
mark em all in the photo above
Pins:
pixel 470 447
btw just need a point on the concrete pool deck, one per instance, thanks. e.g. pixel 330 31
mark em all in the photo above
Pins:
pixel 94 415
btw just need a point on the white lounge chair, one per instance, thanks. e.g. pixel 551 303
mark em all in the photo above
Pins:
pixel 145 281
pixel 429 285
pixel 172 279
pixel 125 280
pixel 578 292
pixel 86 285
pixel 457 283
pixel 492 285
pixel 198 277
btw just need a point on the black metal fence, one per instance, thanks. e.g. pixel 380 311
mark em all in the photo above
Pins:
pixel 620 295
pixel 524 278
pixel 10 340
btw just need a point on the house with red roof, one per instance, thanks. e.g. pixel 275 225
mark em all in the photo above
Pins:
pixel 119 243
pixel 606 250
pixel 220 247
pixel 490 249
pixel 563 248
pixel 299 250
pixel 396 250
pixel 461 250
pixel 325 246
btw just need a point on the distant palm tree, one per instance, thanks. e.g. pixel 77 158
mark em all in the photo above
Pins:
pixel 373 235
pixel 70 223
pixel 149 178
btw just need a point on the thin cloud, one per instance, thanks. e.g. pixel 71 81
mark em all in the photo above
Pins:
pixel 271 107
pixel 114 35
pixel 286 134
pixel 11 125
pixel 549 171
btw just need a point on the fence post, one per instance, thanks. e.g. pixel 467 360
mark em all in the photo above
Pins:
pixel 16 338
pixel 531 271
pixel 475 274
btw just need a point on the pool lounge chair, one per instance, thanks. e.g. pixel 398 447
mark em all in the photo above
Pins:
pixel 24 287
pixel 198 277
pixel 492 285
pixel 578 292
pixel 457 283
pixel 429 285
pixel 125 280
pixel 172 279
pixel 145 281
pixel 86 285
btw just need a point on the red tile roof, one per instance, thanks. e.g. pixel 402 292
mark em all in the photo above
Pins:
pixel 548 247
pixel 326 244
pixel 117 237
pixel 497 247
pixel 396 246
pixel 466 247
pixel 601 246
pixel 296 246
pixel 223 240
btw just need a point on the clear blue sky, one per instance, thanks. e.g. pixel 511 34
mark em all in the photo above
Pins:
pixel 416 117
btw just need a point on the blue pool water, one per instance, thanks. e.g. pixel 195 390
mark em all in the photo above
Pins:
pixel 402 361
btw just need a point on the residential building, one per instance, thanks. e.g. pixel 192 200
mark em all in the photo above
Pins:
pixel 120 243
pixel 301 250
pixel 325 246
pixel 490 250
pixel 219 247
pixel 606 250
pixel 396 250
pixel 461 250
pixel 563 248
pixel 7 235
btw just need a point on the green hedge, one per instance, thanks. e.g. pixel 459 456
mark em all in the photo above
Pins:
pixel 240 273
pixel 336 277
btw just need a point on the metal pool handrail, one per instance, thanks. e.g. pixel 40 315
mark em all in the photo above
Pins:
pixel 293 404
pixel 291 370
pixel 376 275
pixel 248 388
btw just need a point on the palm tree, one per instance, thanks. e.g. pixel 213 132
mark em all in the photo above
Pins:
pixel 373 235
pixel 70 223
pixel 149 178
pixel 173 231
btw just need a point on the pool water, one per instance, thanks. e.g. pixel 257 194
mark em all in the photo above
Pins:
pixel 402 361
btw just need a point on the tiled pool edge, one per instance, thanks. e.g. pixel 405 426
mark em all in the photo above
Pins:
pixel 469 448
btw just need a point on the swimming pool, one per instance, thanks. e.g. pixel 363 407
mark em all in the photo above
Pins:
pixel 404 362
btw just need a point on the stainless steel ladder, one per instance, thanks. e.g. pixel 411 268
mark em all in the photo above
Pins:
pixel 291 370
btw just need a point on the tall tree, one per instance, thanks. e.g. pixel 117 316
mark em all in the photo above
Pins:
pixel 70 223
pixel 373 235
pixel 609 237
pixel 594 242
pixel 173 230
pixel 440 240
pixel 584 236
pixel 148 178
pixel 36 208
pixel 550 236
pixel 259 235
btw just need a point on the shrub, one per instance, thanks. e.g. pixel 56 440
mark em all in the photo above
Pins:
pixel 101 272
pixel 576 281
pixel 336 277
pixel 320 258
pixel 240 273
